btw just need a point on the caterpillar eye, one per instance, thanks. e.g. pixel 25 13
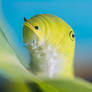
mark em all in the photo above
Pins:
pixel 72 36
pixel 36 27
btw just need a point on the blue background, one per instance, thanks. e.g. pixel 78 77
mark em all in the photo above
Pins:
pixel 78 14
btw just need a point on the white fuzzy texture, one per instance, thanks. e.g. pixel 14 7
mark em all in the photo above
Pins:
pixel 53 63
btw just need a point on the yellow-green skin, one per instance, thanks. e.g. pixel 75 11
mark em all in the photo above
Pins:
pixel 54 32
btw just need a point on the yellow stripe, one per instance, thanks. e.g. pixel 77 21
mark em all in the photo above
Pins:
pixel 30 26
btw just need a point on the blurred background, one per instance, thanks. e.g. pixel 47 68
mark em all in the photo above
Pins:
pixel 77 13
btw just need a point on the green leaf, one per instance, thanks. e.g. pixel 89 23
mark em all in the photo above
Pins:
pixel 12 38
